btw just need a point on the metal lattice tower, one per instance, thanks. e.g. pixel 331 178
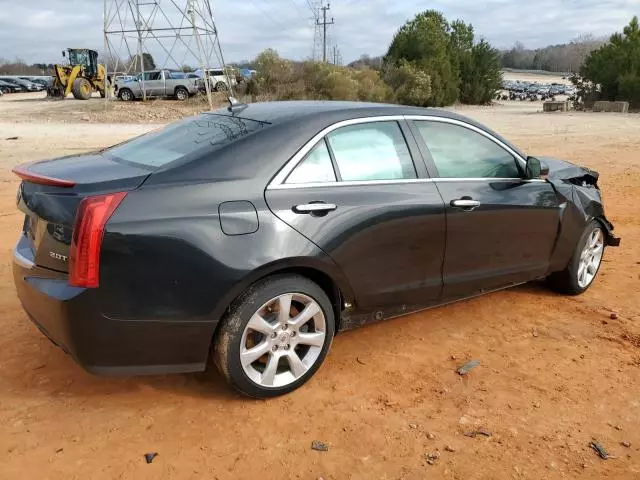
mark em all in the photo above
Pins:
pixel 174 32
pixel 314 6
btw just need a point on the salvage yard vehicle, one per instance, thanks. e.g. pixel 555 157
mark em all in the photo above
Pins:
pixel 157 83
pixel 23 85
pixel 257 232
pixel 219 80
pixel 8 87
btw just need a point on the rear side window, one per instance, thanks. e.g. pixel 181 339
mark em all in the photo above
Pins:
pixel 315 167
pixel 371 151
pixel 161 147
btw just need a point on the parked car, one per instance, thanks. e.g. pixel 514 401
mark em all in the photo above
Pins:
pixel 219 81
pixel 24 85
pixel 8 87
pixel 32 85
pixel 43 81
pixel 258 232
pixel 157 83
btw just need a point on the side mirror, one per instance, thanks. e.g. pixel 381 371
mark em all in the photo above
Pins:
pixel 535 168
pixel 64 54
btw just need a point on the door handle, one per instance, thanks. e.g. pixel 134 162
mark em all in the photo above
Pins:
pixel 319 207
pixel 465 203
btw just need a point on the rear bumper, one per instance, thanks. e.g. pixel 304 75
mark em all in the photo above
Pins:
pixel 71 318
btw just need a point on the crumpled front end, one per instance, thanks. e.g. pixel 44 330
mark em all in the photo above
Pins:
pixel 580 186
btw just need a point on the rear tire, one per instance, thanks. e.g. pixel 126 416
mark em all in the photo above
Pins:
pixel 584 265
pixel 81 89
pixel 221 87
pixel 265 353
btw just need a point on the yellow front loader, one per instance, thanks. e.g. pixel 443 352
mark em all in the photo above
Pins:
pixel 83 76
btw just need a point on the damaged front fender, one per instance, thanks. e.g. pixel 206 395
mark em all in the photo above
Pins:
pixel 581 203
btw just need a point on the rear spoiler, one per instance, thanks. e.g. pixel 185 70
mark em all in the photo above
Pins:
pixel 27 176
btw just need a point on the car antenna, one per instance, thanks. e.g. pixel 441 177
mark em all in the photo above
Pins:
pixel 235 105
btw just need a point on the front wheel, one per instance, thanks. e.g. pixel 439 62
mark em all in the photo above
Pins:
pixel 125 95
pixel 81 89
pixel 275 336
pixel 584 265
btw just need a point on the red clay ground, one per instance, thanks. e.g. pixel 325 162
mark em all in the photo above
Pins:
pixel 556 371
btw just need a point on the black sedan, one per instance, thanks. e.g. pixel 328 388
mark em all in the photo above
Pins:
pixel 256 233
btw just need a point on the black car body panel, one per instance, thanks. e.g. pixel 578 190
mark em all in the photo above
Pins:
pixel 193 234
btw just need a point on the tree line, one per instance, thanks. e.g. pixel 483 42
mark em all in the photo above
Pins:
pixel 566 58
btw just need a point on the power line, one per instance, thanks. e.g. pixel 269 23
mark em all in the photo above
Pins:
pixel 297 7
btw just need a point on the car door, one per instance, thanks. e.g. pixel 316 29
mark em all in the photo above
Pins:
pixel 358 194
pixel 501 228
pixel 154 84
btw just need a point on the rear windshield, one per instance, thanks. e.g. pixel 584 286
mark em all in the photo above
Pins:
pixel 174 142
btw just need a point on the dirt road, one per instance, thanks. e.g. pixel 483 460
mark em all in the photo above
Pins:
pixel 555 371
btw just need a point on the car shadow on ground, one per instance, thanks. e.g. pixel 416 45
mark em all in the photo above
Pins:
pixel 49 371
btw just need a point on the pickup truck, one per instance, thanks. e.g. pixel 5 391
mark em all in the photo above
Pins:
pixel 157 83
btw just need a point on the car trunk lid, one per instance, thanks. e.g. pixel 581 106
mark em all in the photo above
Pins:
pixel 51 192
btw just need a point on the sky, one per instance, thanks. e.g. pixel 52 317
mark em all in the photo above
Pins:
pixel 37 30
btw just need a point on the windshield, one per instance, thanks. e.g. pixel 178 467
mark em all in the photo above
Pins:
pixel 78 57
pixel 161 147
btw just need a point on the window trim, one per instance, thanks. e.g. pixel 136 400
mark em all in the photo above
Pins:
pixel 278 181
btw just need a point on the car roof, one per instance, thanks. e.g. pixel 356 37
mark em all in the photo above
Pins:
pixel 319 114
pixel 288 127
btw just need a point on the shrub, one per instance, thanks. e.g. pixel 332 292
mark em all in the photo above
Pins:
pixel 410 84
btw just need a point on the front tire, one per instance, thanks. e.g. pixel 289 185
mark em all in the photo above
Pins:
pixel 584 265
pixel 81 89
pixel 275 336
pixel 126 95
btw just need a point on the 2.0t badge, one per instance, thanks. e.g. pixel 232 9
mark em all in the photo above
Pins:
pixel 57 256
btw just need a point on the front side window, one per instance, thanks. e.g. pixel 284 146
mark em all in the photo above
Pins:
pixel 459 152
pixel 371 151
pixel 316 167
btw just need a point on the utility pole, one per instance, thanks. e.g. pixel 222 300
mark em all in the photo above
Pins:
pixel 324 24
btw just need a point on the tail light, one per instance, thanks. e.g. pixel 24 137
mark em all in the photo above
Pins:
pixel 88 231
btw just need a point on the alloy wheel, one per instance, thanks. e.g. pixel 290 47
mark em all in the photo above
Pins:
pixel 590 258
pixel 283 340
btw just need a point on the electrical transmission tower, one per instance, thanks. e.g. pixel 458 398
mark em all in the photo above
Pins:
pixel 176 32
